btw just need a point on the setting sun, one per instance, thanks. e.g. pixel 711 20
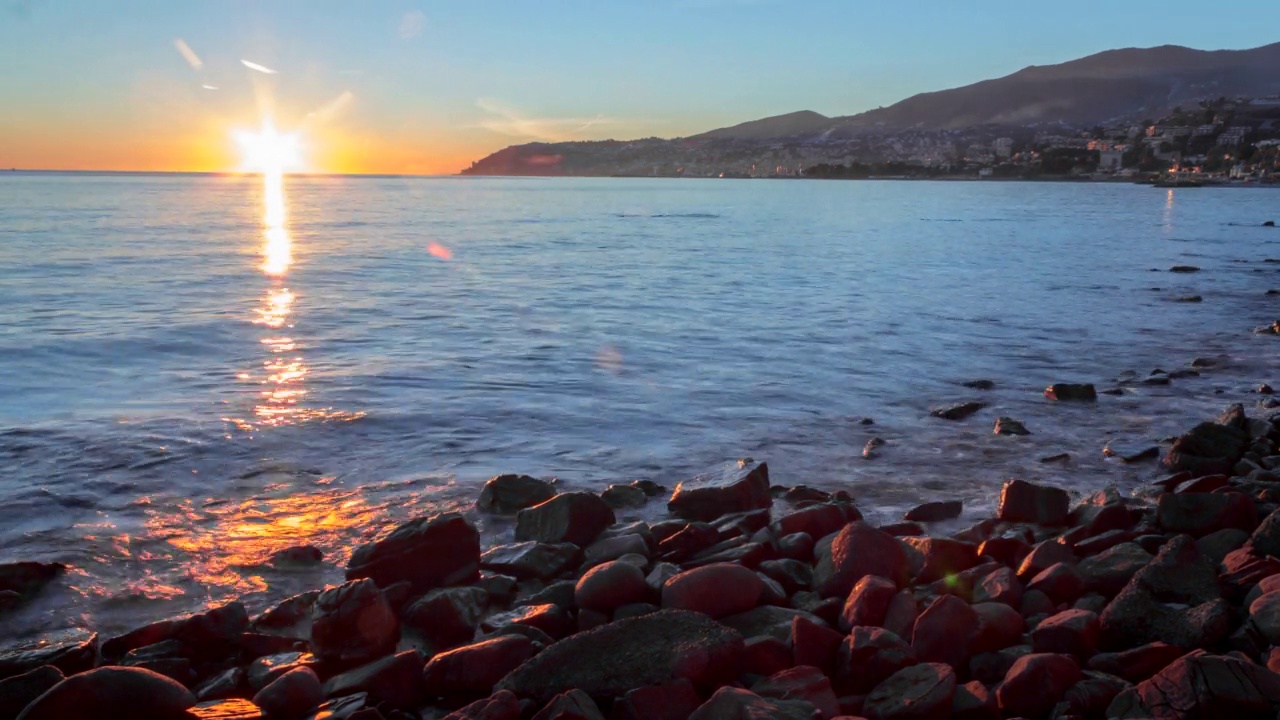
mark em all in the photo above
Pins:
pixel 269 151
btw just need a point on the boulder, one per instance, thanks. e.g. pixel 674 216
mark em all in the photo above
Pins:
pixel 353 623
pixel 730 703
pixel 868 602
pixel 1091 696
pixel 944 631
pixel 502 705
pixel 1042 557
pixel 447 617
pixel 1001 585
pixel 793 575
pixel 732 487
pixel 856 551
pixel 263 670
pixel 1109 571
pixel 715 590
pixel 1070 632
pixel 624 496
pixel 111 693
pixel 554 620
pixel 1264 612
pixel 957 411
pixel 18 691
pixel 1199 514
pixel 973 701
pixel 571 705
pixel 1009 426
pixel 1266 538
pixel 427 553
pixel 999 627
pixel 1060 582
pixel 813 644
pixel 610 660
pixel 676 700
pixel 1021 501
pixel 901 615
pixel 801 683
pixel 1071 391
pixel 473 670
pixel 943 557
pixel 766 655
pixel 226 709
pixel 28 578
pixel 507 494
pixel 1241 570
pixel 71 655
pixel 935 511
pixel 1200 685
pixel 576 517
pixel 868 656
pixel 532 560
pixel 1210 448
pixel 768 620
pixel 1137 664
pixel 1035 683
pixel 396 680
pixel 291 695
pixel 297 556
pixel 609 586
pixel 1174 599
pixel 919 692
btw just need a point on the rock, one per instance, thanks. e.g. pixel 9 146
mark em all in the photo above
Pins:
pixel 474 670
pixel 427 553
pixel 944 631
pixel 793 575
pixel 395 679
pixel 958 411
pixel 1200 685
pixel 1137 664
pixel 298 555
pixel 576 517
pixel 1000 585
pixel 935 511
pixel 226 684
pixel 1109 571
pixel 676 700
pixel 263 670
pixel 1241 570
pixel 507 494
pixel 732 487
pixel 1174 599
pixel 607 587
pixel 111 693
pixel 869 449
pixel 900 618
pixel 28 578
pixel 856 551
pixel 18 691
pixel 767 620
pixel 1210 448
pixel 999 626
pixel 868 656
pixel 1184 269
pixel 551 619
pixel 1009 426
pixel 1010 551
pixel 351 707
pixel 979 384
pixel 612 659
pixel 801 683
pixel 1060 582
pixel 715 590
pixel 224 709
pixel 1069 391
pixel 353 623
pixel 502 705
pixel 1199 514
pixel 868 602
pixel 288 612
pixel 1022 501
pixel 1042 557
pixel 943 557
pixel 1070 632
pixel 973 701
pixel 571 705
pixel 612 548
pixel 737 704
pixel 920 692
pixel 1264 612
pixel 1035 683
pixel 1266 538
pixel 71 655
pixel 765 655
pixel 816 520
pixel 532 560
pixel 624 496
pixel 813 644
pixel 291 695
pixel 447 617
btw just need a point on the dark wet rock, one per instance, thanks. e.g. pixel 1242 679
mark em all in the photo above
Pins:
pixel 254 644
pixel 502 705
pixel 765 656
pixel 507 494
pixel 1204 362
pixel 1176 599
pixel 28 578
pixel 973 701
pixel 291 695
pixel 1035 683
pixel 1184 269
pixel 18 691
pixel 1070 391
pixel 958 411
pixel 1008 550
pixel 1060 582
pixel 814 644
pixel 609 586
pixel 1021 501
pixel 447 616
pixel 1216 545
pixel 427 552
pixel 816 520
pixel 1000 585
pixel 624 496
pixel 70 656
pixel 297 556
pixel 767 620
pixel 1189 299
pixel 1264 612
pixel 287 613
pixel 803 494
pixel 1266 537
pixel 999 627
pixel 1210 448
pixel 226 684
pixel 900 618
pixel 919 692
pixel 689 540
pixel 1091 696
pixel 1042 557
pixel 650 488
pixel 111 693
pixel 943 557
pixel 738 704
pixel 903 529
pixel 225 709
pixel 576 517
pixel 1070 632
pixel 801 683
pixel 551 619
pixel 1100 543
pixel 869 655
pixel 353 623
pixel 856 551
pixel 1009 426
pixel 1199 514
pixel 868 602
pixel 571 705
pixel 474 670
pixel 873 444
pixel 944 631
pixel 979 384
pixel 1061 457
pixel 395 679
pixel 1109 571
pixel 732 487
pixel 613 659
pixel 351 707
pixel 532 560
pixel 263 670
pixel 793 575
pixel 612 548
pixel 935 511
pixel 1200 685
pixel 559 593
pixel 673 701
pixel 1139 663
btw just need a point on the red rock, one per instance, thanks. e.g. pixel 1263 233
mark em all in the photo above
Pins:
pixel 1025 502
pixel 816 520
pixel 395 680
pixel 1104 541
pixel 1060 582
pixel 715 590
pixel 609 586
pixel 766 655
pixel 859 550
pixel 1200 685
pixel 973 701
pixel 815 645
pixel 729 488
pixel 920 692
pixel 427 552
pixel 1001 586
pixel 868 656
pixel 943 557
pixel 571 705
pixel 999 627
pixel 1006 550
pixel 737 704
pixel 1071 391
pixel 1272 659
pixel 1042 557
pixel 547 617
pixel 474 669
pixel 676 700
pixel 1199 514
pixel 1203 484
pixel 1071 632
pixel 447 617
pixel 502 705
pixel 291 695
pixel 1035 683
pixel 868 602
pixel 801 683
pixel 508 494
pixel 1137 664
pixel 111 693
pixel 900 618
pixel 944 631
pixel 353 623
pixel 575 517
pixel 1242 569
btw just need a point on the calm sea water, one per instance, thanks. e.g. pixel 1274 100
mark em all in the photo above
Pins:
pixel 191 382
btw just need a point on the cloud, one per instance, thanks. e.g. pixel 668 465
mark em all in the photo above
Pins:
pixel 411 25
pixel 188 54
pixel 508 121
pixel 259 68
pixel 326 112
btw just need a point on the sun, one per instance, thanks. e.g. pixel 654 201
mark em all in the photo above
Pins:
pixel 269 151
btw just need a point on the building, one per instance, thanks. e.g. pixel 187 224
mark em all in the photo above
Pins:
pixel 1111 160
pixel 1004 147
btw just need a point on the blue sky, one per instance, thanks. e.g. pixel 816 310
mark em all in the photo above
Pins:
pixel 434 84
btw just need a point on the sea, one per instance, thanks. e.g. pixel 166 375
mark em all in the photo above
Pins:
pixel 197 371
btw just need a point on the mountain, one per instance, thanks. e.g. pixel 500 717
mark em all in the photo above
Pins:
pixel 804 122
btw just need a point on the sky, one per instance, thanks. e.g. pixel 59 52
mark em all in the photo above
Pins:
pixel 428 86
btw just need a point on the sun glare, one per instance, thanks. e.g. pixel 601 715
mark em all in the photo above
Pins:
pixel 270 151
